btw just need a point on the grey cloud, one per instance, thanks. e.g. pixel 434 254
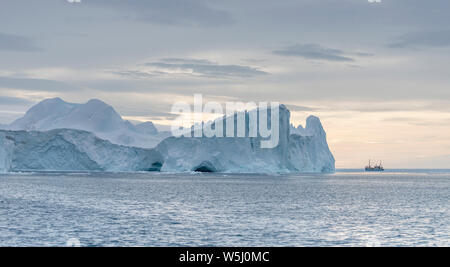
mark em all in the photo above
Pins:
pixel 432 38
pixel 365 54
pixel 191 12
pixel 300 108
pixel 187 61
pixel 212 70
pixel 255 60
pixel 36 84
pixel 154 114
pixel 156 108
pixel 17 43
pixel 9 100
pixel 314 51
pixel 135 74
pixel 195 67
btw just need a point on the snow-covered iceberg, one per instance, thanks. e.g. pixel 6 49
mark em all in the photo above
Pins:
pixel 299 152
pixel 70 150
pixel 94 116
pixel 86 145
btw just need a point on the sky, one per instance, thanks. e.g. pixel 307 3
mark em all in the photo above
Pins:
pixel 376 73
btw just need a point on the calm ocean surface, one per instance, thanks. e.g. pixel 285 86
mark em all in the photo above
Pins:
pixel 403 208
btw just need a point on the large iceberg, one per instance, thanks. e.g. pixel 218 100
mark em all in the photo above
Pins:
pixel 70 150
pixel 85 147
pixel 94 116
pixel 305 151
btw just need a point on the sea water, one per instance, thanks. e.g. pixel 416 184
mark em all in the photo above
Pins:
pixel 349 208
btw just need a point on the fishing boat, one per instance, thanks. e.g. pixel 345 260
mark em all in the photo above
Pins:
pixel 374 168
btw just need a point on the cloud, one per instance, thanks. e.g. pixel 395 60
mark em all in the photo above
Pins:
pixel 135 74
pixel 365 54
pixel 432 38
pixel 187 61
pixel 390 107
pixel 9 100
pixel 193 68
pixel 439 122
pixel 186 12
pixel 314 51
pixel 36 84
pixel 300 108
pixel 17 43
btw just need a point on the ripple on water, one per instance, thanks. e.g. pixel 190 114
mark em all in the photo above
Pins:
pixel 145 209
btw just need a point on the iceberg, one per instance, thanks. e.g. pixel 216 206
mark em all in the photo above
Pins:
pixel 94 116
pixel 58 136
pixel 308 148
pixel 305 151
pixel 71 150
pixel 146 128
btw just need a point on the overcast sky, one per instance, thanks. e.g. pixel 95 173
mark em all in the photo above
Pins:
pixel 377 74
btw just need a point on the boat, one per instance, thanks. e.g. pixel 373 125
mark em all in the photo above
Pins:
pixel 374 168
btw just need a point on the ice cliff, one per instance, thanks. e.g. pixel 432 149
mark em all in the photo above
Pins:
pixel 309 149
pixel 70 150
pixel 298 152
